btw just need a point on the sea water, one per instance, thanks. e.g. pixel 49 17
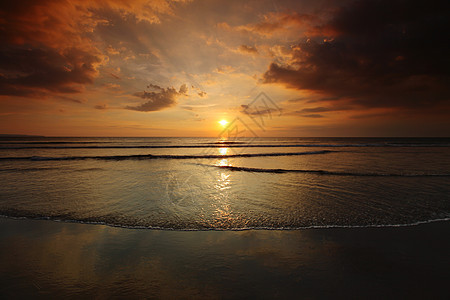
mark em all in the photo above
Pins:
pixel 209 183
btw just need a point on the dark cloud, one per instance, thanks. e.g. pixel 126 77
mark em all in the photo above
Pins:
pixel 183 89
pixel 101 106
pixel 322 109
pixel 154 86
pixel 315 116
pixel 74 100
pixel 114 76
pixel 375 53
pixel 255 111
pixel 248 49
pixel 34 71
pixel 49 46
pixel 158 99
pixel 315 110
pixel 43 49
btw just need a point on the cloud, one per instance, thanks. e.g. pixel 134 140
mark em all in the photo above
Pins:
pixel 322 109
pixel 26 72
pixel 101 106
pixel 279 22
pixel 158 99
pixel 112 86
pixel 376 54
pixel 114 76
pixel 315 109
pixel 183 89
pixel 313 116
pixel 248 49
pixel 49 47
pixel 193 107
pixel 314 112
pixel 199 92
pixel 74 100
pixel 255 111
pixel 225 69
pixel 43 48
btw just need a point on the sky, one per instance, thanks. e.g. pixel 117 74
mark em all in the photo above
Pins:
pixel 176 68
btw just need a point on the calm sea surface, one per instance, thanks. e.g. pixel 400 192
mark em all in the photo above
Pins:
pixel 205 183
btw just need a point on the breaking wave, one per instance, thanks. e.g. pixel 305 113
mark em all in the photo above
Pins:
pixel 324 172
pixel 151 156
pixel 201 227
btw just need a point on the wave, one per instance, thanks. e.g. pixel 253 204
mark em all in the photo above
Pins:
pixel 54 142
pixel 215 145
pixel 323 172
pixel 178 228
pixel 226 143
pixel 21 170
pixel 151 156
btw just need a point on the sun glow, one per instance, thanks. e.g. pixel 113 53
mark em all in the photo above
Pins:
pixel 223 123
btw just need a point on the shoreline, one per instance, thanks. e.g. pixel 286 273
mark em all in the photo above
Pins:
pixel 417 223
pixel 41 259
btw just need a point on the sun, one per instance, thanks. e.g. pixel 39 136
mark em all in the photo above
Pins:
pixel 223 123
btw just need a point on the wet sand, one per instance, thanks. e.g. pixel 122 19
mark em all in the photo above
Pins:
pixel 44 259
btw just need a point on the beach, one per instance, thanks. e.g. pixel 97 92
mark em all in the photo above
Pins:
pixel 206 218
pixel 42 259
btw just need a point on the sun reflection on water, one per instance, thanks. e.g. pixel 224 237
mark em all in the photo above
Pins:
pixel 223 211
pixel 224 161
pixel 223 151
pixel 223 182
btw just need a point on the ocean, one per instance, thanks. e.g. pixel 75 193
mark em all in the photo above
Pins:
pixel 218 184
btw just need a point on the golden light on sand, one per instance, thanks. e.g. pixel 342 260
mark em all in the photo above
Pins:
pixel 223 122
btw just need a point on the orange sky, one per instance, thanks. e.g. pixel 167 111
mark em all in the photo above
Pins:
pixel 175 68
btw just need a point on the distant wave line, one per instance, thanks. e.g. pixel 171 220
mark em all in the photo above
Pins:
pixel 323 172
pixel 45 143
pixel 151 156
pixel 225 145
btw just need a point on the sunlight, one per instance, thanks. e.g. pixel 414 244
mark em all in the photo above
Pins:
pixel 223 122
pixel 223 151
pixel 223 162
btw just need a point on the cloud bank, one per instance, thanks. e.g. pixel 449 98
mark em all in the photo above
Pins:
pixel 374 53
